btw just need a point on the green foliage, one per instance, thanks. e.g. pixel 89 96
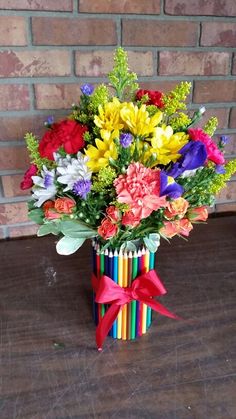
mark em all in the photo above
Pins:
pixel 180 121
pixel 33 148
pixel 211 126
pixel 68 245
pixel 198 187
pixel 121 79
pixel 36 215
pixel 174 100
pixel 152 242
pixel 50 227
pixel 220 180
pixel 105 179
pixel 100 96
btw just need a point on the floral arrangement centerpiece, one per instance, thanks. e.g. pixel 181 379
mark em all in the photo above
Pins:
pixel 126 168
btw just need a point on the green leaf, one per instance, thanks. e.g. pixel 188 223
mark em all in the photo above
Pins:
pixel 36 215
pixel 68 245
pixel 152 242
pixel 76 229
pixel 49 228
pixel 130 246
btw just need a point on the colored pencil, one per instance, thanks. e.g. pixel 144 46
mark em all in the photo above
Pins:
pixel 144 316
pixel 129 308
pixel 151 266
pixel 142 270
pixel 133 303
pixel 124 310
pixel 137 302
pixel 110 274
pixel 102 271
pixel 115 279
pixel 95 308
pixel 120 282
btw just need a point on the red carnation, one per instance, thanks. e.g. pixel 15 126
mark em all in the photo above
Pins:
pixel 67 134
pixel 27 181
pixel 155 97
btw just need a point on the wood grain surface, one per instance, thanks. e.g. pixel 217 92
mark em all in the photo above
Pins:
pixel 49 365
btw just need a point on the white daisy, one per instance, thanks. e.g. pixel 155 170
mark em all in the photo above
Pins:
pixel 44 187
pixel 72 170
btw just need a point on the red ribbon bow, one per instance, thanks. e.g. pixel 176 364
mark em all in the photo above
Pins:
pixel 143 289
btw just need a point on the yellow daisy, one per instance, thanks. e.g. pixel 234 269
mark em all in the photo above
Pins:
pixel 105 149
pixel 138 121
pixel 109 116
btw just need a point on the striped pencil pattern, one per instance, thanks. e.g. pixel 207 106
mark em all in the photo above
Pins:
pixel 135 318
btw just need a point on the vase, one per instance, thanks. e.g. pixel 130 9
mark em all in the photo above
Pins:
pixel 135 318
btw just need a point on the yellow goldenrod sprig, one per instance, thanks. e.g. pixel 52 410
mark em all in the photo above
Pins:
pixel 33 148
pixel 220 180
pixel 121 79
pixel 211 126
pixel 174 100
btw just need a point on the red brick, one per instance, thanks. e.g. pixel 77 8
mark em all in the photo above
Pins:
pixel 193 63
pixel 229 207
pixel 14 128
pixel 121 6
pixel 158 33
pixel 218 34
pixel 214 91
pixel 59 5
pixel 34 63
pixel 11 186
pixel 228 193
pixel 13 213
pixel 12 158
pixel 232 122
pixel 222 114
pixel 23 230
pixel 230 148
pixel 56 96
pixel 99 63
pixel 63 31
pixel 13 30
pixel 14 97
pixel 160 85
pixel 234 65
pixel 200 7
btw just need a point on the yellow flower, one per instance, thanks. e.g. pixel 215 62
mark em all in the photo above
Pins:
pixel 109 116
pixel 137 120
pixel 166 145
pixel 99 155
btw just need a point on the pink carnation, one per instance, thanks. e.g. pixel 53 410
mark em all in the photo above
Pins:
pixel 140 189
pixel 213 153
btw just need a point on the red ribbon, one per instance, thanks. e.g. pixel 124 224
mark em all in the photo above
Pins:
pixel 143 289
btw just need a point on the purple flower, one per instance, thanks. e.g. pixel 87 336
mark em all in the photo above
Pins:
pixel 169 187
pixel 220 170
pixel 50 121
pixel 82 188
pixel 126 140
pixel 224 139
pixel 87 89
pixel 48 180
pixel 193 156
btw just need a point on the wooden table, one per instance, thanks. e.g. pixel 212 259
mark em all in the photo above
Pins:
pixel 50 367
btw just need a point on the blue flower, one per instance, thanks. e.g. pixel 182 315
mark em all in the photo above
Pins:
pixel 220 170
pixel 126 140
pixel 169 187
pixel 82 188
pixel 224 139
pixel 193 156
pixel 87 89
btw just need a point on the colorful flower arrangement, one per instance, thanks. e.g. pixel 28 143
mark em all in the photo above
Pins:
pixel 127 166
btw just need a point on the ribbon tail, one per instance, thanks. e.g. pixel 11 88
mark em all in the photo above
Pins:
pixel 105 324
pixel 156 306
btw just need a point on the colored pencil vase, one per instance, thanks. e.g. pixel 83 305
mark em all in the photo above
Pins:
pixel 135 318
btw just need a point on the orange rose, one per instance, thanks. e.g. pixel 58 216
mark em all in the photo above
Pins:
pixel 184 227
pixel 107 229
pixel 130 219
pixel 64 205
pixel 177 207
pixel 48 204
pixel 198 214
pixel 113 213
pixel 50 214
pixel 169 229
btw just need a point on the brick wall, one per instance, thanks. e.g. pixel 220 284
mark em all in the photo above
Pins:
pixel 50 47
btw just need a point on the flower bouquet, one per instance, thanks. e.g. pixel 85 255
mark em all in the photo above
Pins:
pixel 126 168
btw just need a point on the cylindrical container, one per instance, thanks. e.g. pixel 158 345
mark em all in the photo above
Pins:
pixel 135 318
